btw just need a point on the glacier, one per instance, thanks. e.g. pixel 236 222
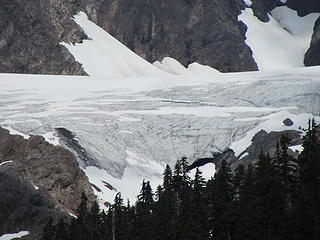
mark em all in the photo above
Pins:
pixel 130 118
pixel 131 127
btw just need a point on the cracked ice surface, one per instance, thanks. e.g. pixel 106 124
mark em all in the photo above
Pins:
pixel 132 126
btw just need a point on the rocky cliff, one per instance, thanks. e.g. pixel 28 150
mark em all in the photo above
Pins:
pixel 201 31
pixel 30 36
pixel 261 142
pixel 37 181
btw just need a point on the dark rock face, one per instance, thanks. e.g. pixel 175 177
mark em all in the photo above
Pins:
pixel 30 33
pixel 261 142
pixel 22 207
pixel 70 142
pixel 201 31
pixel 261 8
pixel 288 122
pixel 37 180
pixel 312 56
pixel 266 143
pixel 304 7
pixel 204 31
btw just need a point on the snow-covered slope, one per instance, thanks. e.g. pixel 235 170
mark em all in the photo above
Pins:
pixel 132 127
pixel 282 42
pixel 102 55
pixel 171 65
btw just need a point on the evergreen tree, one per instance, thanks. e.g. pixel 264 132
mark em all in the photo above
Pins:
pixel 288 171
pixel 245 207
pixel 61 232
pixel 271 207
pixel 79 227
pixel 260 202
pixel 182 192
pixel 48 232
pixel 308 211
pixel 199 211
pixel 144 224
pixel 165 208
pixel 221 196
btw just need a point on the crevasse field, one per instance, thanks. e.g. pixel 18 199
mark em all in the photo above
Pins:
pixel 131 117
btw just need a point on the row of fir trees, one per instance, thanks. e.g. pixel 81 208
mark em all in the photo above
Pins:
pixel 276 198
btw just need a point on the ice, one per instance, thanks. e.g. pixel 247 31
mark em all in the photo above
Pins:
pixel 282 42
pixel 131 127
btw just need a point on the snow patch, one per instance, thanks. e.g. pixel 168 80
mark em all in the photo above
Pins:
pixel 15 132
pixel 282 42
pixel 10 236
pixel 297 148
pixel 173 66
pixel 72 215
pixel 244 155
pixel 274 122
pixel 5 162
pixel 129 185
pixel 248 2
pixel 51 138
pixel 207 170
pixel 103 55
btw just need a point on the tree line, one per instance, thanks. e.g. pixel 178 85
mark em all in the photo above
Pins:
pixel 278 197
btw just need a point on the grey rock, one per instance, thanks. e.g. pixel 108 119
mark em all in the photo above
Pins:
pixel 261 8
pixel 288 122
pixel 41 181
pixel 266 143
pixel 304 7
pixel 201 31
pixel 30 36
pixel 312 56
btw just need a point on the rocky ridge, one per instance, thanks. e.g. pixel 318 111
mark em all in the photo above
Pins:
pixel 30 36
pixel 261 142
pixel 37 181
pixel 207 32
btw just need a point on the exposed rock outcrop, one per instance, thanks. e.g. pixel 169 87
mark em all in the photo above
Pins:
pixel 261 8
pixel 201 31
pixel 30 36
pixel 312 56
pixel 304 7
pixel 261 142
pixel 207 32
pixel 266 143
pixel 37 180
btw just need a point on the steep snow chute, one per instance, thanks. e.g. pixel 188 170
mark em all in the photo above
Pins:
pixel 282 42
pixel 103 55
